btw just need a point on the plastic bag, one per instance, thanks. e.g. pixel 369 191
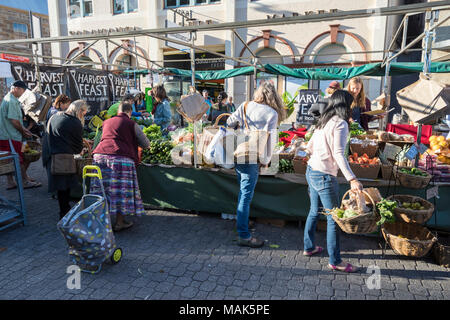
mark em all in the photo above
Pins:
pixel 216 153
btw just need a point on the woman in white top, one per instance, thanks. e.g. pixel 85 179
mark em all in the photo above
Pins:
pixel 264 113
pixel 327 150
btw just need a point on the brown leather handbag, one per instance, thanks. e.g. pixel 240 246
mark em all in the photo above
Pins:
pixel 63 164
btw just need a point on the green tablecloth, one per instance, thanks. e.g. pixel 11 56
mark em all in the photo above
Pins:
pixel 280 197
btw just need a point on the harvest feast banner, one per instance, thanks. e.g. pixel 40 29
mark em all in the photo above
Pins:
pixel 99 88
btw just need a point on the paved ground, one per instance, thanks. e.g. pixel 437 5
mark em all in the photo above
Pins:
pixel 185 256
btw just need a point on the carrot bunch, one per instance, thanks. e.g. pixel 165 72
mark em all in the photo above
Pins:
pixel 364 159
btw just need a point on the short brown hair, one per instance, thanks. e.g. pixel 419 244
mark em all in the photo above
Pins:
pixel 60 100
pixel 160 93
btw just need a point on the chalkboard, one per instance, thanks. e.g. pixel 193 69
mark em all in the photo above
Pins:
pixel 306 99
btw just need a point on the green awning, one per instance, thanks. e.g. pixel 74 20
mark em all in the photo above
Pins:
pixel 212 75
pixel 328 73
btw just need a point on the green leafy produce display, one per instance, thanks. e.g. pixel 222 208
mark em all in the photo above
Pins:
pixel 355 130
pixel 283 135
pixel 144 122
pixel 286 166
pixel 414 172
pixel 153 132
pixel 345 214
pixel 386 211
pixel 159 152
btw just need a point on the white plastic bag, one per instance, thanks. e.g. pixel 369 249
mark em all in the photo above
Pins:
pixel 216 153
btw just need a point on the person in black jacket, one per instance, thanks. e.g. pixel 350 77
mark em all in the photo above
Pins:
pixel 65 135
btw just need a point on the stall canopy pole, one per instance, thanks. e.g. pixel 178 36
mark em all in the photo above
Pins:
pixel 193 36
pixel 36 66
pixel 80 53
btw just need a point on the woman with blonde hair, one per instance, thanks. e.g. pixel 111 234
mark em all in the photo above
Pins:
pixel 65 136
pixel 360 103
pixel 263 113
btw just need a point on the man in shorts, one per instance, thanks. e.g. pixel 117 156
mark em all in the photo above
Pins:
pixel 11 128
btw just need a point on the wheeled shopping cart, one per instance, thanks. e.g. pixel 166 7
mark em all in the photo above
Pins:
pixel 88 231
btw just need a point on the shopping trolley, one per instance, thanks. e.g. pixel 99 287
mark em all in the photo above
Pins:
pixel 88 231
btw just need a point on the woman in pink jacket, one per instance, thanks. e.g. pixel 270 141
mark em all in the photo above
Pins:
pixel 327 149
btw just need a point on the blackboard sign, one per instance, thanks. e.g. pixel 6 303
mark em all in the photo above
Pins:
pixel 306 99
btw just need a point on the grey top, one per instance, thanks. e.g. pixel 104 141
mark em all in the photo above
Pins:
pixel 259 117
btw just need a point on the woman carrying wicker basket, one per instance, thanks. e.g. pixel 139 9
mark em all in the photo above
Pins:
pixel 327 148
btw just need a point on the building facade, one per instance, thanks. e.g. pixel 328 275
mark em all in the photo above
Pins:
pixel 348 42
pixel 17 24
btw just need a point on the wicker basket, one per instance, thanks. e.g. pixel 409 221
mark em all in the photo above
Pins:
pixel 387 171
pixel 286 156
pixel 361 224
pixel 411 181
pixel 360 149
pixel 416 240
pixel 27 157
pixel 409 215
pixel 81 163
pixel 441 254
pixel 366 171
pixel 299 166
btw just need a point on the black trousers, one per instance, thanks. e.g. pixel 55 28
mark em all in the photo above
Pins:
pixel 63 200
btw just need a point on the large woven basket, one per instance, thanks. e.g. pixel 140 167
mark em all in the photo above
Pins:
pixel 415 241
pixel 410 215
pixel 27 157
pixel 81 163
pixel 360 149
pixel 387 172
pixel 441 254
pixel 411 181
pixel 361 224
pixel 366 171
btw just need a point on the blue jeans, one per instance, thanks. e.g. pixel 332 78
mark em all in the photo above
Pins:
pixel 323 192
pixel 247 175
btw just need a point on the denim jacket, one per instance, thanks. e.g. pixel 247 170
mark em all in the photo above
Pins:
pixel 163 114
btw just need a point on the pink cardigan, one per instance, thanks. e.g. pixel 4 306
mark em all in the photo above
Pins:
pixel 327 149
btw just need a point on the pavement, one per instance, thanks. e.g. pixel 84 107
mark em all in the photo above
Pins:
pixel 177 255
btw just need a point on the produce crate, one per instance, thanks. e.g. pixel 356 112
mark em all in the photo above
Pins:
pixel 34 145
pixel 360 149
pixel 6 166
pixel 366 171
pixel 299 165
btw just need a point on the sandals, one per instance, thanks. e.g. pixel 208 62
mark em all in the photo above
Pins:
pixel 125 225
pixel 349 268
pixel 29 184
pixel 317 250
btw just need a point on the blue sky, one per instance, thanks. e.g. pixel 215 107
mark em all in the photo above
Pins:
pixel 39 6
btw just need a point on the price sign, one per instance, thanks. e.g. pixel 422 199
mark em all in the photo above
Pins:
pixel 306 99
pixel 411 153
pixel 391 151
pixel 433 192
pixel 422 148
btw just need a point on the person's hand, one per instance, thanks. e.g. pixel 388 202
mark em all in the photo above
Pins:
pixel 356 186
pixel 26 133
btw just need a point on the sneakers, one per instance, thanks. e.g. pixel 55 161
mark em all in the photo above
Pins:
pixel 252 242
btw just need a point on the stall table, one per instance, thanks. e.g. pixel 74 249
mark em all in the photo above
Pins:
pixel 284 196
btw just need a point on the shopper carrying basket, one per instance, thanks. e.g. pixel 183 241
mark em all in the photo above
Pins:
pixel 327 148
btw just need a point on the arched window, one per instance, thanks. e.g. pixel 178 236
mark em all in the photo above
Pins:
pixel 269 55
pixel 126 61
pixel 332 53
pixel 85 60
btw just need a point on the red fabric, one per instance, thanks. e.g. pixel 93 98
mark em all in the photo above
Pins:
pixel 412 130
pixel 17 145
pixel 119 138
pixel 301 132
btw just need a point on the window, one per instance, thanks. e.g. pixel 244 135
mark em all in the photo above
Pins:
pixel 125 6
pixel 125 60
pixel 20 28
pixel 80 8
pixel 179 3
pixel 332 53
